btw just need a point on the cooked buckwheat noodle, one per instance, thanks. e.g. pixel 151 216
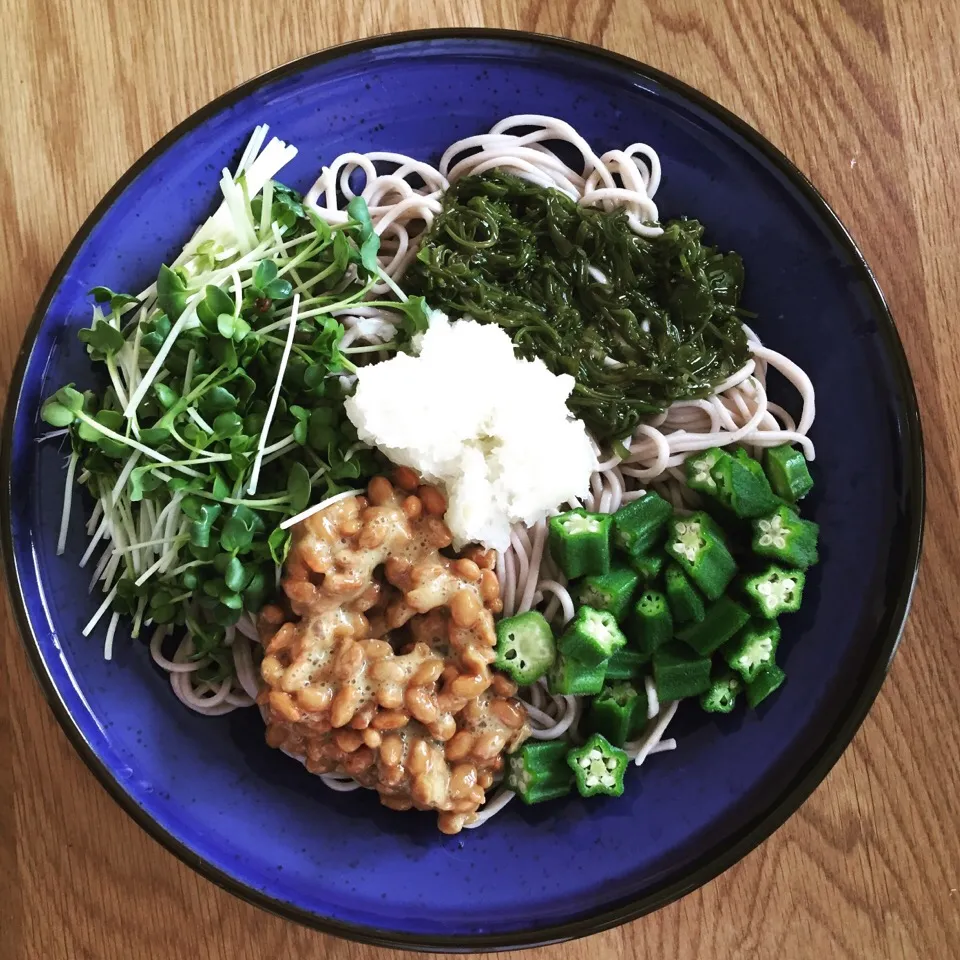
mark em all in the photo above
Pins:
pixel 404 196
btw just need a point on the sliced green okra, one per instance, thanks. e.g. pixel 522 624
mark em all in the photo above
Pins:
pixel 580 542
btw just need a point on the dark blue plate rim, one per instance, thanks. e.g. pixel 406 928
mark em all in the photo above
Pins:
pixel 713 861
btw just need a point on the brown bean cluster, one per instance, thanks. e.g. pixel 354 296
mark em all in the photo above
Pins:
pixel 381 668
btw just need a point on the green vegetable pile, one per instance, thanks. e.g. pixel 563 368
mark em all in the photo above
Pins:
pixel 689 603
pixel 217 421
pixel 659 323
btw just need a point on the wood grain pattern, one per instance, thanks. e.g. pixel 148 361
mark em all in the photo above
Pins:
pixel 861 94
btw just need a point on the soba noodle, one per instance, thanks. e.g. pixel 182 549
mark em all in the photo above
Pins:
pixel 404 196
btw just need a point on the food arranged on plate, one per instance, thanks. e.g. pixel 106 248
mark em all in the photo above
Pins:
pixel 465 475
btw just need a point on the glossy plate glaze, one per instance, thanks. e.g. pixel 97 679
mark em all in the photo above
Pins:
pixel 256 822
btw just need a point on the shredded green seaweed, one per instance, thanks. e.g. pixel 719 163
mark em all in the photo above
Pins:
pixel 639 322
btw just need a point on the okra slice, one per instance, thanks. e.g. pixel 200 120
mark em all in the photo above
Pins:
pixel 787 471
pixel 580 542
pixel 648 565
pixel 638 526
pixel 774 591
pixel 618 712
pixel 679 672
pixel 685 601
pixel 723 619
pixel 699 469
pixel 766 682
pixel 742 486
pixel 538 771
pixel 753 649
pixel 697 544
pixel 784 537
pixel 573 678
pixel 628 663
pixel 592 637
pixel 651 624
pixel 598 767
pixel 525 647
pixel 722 695
pixel 611 591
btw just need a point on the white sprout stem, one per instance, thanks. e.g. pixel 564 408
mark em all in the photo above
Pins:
pixel 275 396
pixel 115 381
pixel 252 148
pixel 130 533
pixel 198 420
pixel 281 445
pixel 144 526
pixel 391 283
pixel 101 610
pixel 95 538
pixel 149 572
pixel 111 571
pixel 137 621
pixel 188 375
pixel 322 505
pixel 67 504
pixel 124 476
pixel 108 642
pixel 238 286
pixel 110 574
pixel 105 557
pixel 172 552
pixel 653 701
pixel 239 213
pixel 157 530
pixel 159 360
pixel 266 207
pixel 145 543
pixel 170 518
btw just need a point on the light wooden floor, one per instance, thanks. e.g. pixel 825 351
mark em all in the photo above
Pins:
pixel 862 94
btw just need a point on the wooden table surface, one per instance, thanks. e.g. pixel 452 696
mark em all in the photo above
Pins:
pixel 862 94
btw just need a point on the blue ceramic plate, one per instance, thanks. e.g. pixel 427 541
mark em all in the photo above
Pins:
pixel 257 823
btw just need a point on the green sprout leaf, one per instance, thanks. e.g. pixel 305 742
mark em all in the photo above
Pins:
pixel 166 395
pixel 218 300
pixel 201 528
pixel 278 289
pixel 359 213
pixel 416 315
pixel 298 487
pixel 102 294
pixel 210 398
pixel 171 292
pixel 239 529
pixel 226 325
pixel 236 576
pixel 143 480
pixel 228 424
pixel 279 542
pixel 62 408
pixel 102 339
pixel 368 253
pixel 216 401
pixel 265 274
